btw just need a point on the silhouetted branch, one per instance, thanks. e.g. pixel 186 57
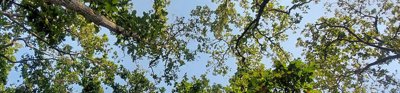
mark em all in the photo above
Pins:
pixel 253 24
pixel 39 38
pixel 24 60
pixel 297 5
pixel 377 62
pixel 290 9
pixel 359 39
pixel 12 42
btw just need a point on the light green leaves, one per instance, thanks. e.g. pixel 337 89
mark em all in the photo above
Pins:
pixel 353 37
pixel 349 41
pixel 294 77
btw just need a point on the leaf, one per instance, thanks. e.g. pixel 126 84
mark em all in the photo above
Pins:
pixel 373 11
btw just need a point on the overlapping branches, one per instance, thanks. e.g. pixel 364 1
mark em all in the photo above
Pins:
pixel 13 18
pixel 254 24
pixel 368 43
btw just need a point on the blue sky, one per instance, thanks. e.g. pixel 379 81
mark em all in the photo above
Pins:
pixel 198 67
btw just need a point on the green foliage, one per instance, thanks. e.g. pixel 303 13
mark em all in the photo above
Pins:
pixel 341 53
pixel 197 86
pixel 353 44
pixel 294 77
pixel 6 54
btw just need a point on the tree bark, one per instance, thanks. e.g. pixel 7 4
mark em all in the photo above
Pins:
pixel 90 15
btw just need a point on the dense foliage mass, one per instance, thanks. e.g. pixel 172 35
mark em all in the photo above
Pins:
pixel 343 52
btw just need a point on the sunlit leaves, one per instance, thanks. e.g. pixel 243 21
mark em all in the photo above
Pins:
pixel 6 55
pixel 200 85
pixel 294 77
pixel 65 48
pixel 355 38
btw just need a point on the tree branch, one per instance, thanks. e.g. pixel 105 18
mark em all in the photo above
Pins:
pixel 9 14
pixel 297 5
pixel 38 37
pixel 252 24
pixel 377 62
pixel 12 42
pixel 24 60
pixel 290 9
pixel 89 14
pixel 7 58
pixel 359 38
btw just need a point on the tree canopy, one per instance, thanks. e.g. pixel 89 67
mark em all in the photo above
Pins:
pixel 348 50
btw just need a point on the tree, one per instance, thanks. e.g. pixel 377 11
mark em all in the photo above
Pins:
pixel 344 43
pixel 294 77
pixel 354 44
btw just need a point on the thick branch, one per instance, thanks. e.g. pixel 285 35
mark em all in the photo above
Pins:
pixel 253 24
pixel 89 14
